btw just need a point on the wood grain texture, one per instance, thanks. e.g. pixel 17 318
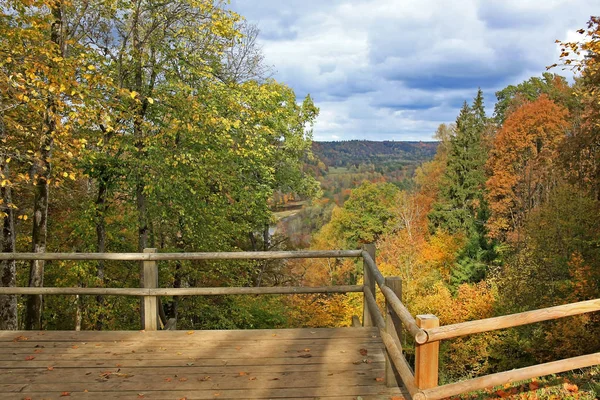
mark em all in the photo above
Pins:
pixel 509 321
pixel 205 291
pixel 239 255
pixel 427 355
pixel 338 363
pixel 514 375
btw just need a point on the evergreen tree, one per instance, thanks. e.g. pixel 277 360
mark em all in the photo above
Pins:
pixel 461 207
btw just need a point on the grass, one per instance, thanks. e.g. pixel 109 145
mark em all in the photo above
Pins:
pixel 582 384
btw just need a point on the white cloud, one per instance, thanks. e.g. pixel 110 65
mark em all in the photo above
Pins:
pixel 395 69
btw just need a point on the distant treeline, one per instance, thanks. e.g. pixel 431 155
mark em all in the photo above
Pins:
pixel 356 152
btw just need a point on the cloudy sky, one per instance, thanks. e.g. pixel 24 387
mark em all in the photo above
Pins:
pixel 396 69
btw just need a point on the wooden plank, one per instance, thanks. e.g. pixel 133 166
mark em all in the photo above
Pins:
pixel 203 291
pixel 335 392
pixel 195 354
pixel 278 364
pixel 93 347
pixel 239 255
pixel 167 395
pixel 509 321
pixel 110 380
pixel 136 336
pixel 427 355
pixel 17 375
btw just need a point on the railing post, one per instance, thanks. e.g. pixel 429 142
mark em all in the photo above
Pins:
pixel 369 282
pixel 427 355
pixel 393 326
pixel 150 322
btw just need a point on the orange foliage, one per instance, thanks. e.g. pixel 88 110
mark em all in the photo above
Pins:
pixel 522 163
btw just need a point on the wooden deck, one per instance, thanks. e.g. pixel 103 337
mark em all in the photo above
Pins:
pixel 340 363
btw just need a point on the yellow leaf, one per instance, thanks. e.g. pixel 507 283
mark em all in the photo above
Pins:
pixel 91 67
pixel 133 94
pixel 150 100
pixel 65 174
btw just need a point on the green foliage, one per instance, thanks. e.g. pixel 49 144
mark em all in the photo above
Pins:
pixel 364 217
pixel 553 85
pixel 461 188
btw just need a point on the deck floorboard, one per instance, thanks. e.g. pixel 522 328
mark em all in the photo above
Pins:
pixel 337 363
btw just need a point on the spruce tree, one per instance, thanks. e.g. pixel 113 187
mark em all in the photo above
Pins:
pixel 461 207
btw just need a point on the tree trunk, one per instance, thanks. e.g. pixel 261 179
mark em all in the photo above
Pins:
pixel 8 303
pixel 101 209
pixel 33 317
pixel 41 176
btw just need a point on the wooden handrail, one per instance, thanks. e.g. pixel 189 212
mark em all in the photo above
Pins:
pixel 501 378
pixel 399 308
pixel 393 348
pixel 201 291
pixel 239 255
pixel 512 320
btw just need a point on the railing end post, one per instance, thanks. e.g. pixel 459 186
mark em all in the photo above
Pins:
pixel 150 303
pixel 427 355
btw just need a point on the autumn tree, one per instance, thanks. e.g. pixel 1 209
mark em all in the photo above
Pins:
pixel 523 164
pixel 38 138
pixel 581 154
pixel 554 86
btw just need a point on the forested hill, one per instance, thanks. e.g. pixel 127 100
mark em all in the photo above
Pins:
pixel 355 152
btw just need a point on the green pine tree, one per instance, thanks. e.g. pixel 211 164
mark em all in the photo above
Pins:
pixel 461 207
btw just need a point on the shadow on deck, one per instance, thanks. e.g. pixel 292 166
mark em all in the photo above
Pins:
pixel 337 363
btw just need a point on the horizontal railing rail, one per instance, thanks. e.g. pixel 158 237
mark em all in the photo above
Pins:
pixel 201 291
pixel 235 255
pixel 512 320
pixel 422 383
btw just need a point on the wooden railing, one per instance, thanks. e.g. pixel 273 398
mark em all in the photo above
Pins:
pixel 421 383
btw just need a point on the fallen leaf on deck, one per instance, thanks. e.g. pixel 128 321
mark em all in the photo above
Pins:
pixel 363 352
pixel 29 358
pixel 379 379
pixel 204 379
pixel 140 395
pixel 570 387
pixel 74 346
pixel 243 373
pixel 190 332
pixel 252 379
pixel 168 379
pixel 50 368
pixel 305 356
pixel 37 351
pixel 19 338
pixel 118 365
pixel 65 394
pixel 183 379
